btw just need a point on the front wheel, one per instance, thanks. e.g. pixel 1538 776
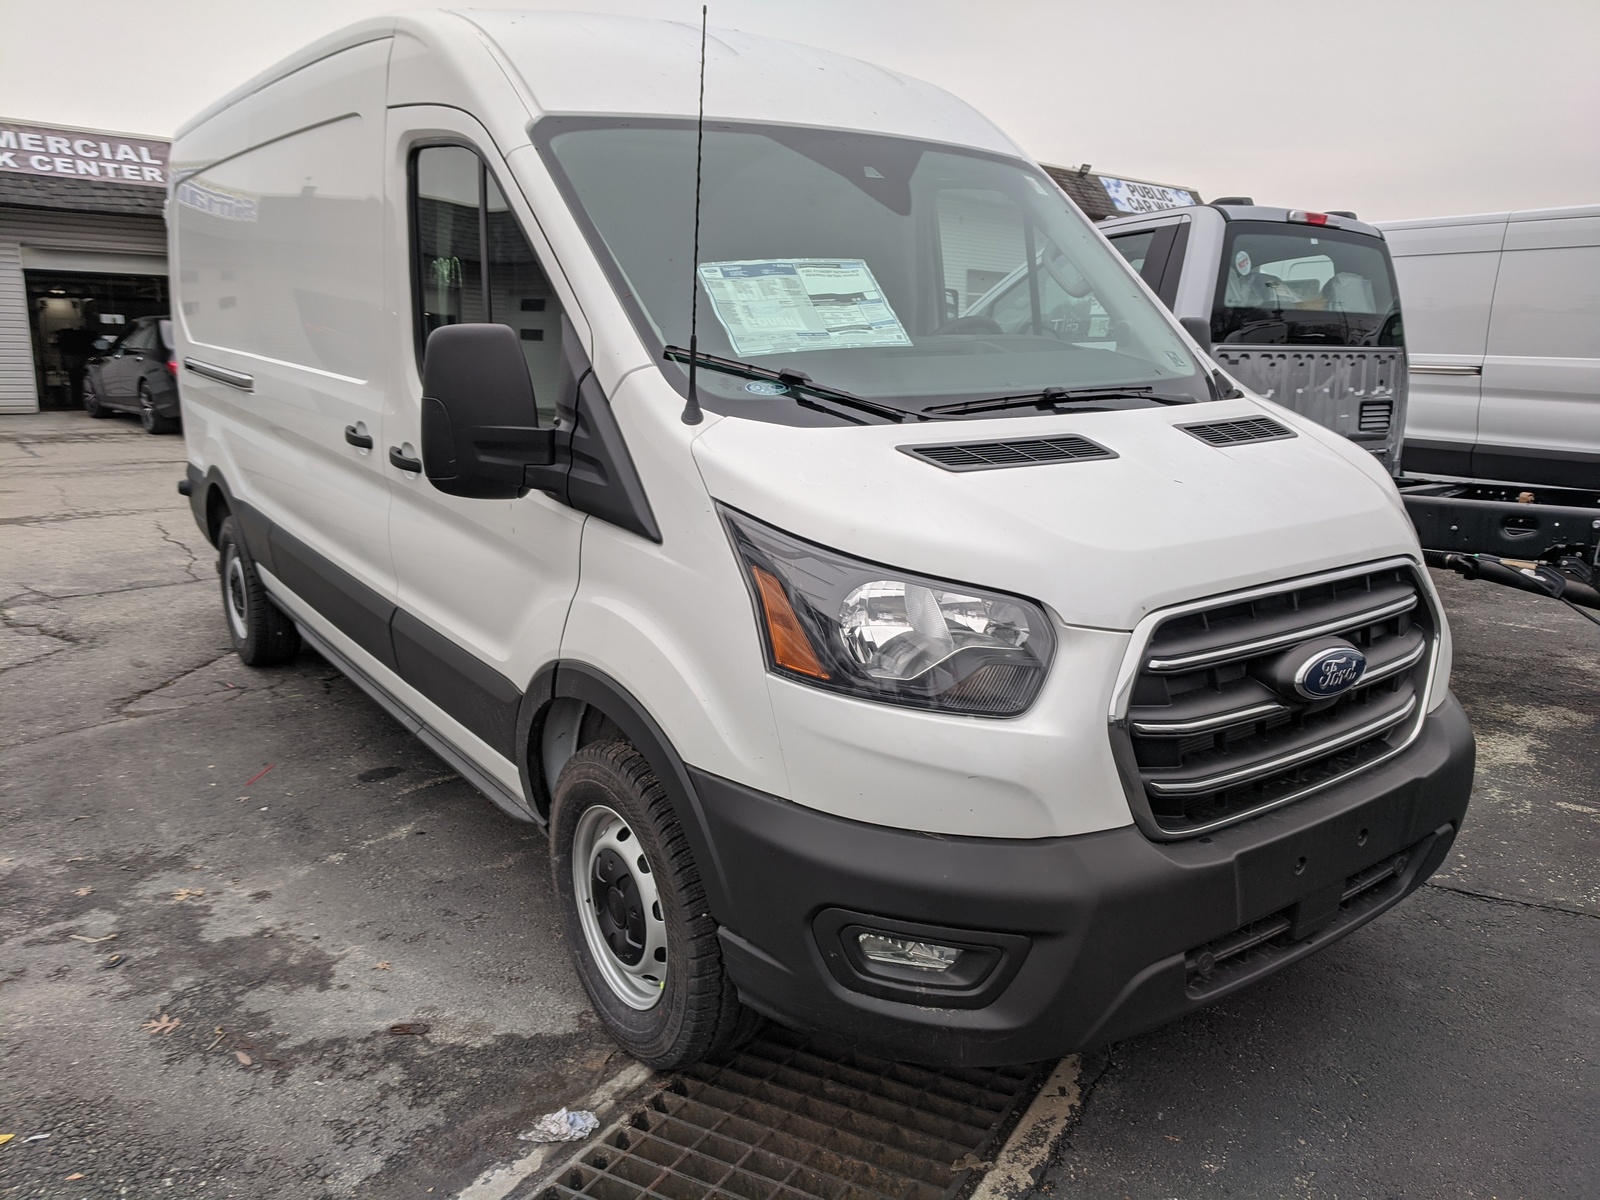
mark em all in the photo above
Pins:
pixel 635 911
pixel 153 421
pixel 262 634
pixel 91 400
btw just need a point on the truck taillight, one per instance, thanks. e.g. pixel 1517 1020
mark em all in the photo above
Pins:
pixel 172 367
pixel 1308 218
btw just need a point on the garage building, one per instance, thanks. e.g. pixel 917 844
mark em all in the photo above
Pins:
pixel 83 251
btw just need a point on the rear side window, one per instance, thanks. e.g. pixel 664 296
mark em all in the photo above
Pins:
pixel 1304 286
pixel 142 340
pixel 472 263
pixel 1157 255
pixel 1135 247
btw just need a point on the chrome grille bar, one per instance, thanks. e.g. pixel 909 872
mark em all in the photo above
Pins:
pixel 1208 658
pixel 1271 766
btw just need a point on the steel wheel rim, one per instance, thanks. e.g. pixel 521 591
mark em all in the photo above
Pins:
pixel 620 912
pixel 147 410
pixel 235 596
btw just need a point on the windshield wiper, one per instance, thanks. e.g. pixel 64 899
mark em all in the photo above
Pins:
pixel 796 381
pixel 1051 398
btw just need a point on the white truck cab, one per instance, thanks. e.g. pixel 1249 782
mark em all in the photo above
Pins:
pixel 1300 307
pixel 973 692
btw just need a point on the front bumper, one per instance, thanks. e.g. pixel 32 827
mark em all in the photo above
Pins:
pixel 1094 938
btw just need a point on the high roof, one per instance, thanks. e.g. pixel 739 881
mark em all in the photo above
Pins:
pixel 582 63
pixel 590 63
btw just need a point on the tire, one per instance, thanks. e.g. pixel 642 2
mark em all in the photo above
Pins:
pixel 91 401
pixel 672 1005
pixel 262 634
pixel 153 421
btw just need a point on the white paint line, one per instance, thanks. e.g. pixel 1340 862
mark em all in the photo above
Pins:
pixel 1027 1151
pixel 497 1182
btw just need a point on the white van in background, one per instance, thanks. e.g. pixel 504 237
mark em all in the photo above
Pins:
pixel 1502 325
pixel 974 691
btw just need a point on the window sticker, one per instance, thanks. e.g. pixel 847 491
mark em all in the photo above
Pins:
pixel 1241 263
pixel 783 305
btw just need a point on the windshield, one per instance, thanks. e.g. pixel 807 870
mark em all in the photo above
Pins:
pixel 1305 286
pixel 863 261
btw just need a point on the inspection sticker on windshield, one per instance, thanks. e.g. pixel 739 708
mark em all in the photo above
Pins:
pixel 783 305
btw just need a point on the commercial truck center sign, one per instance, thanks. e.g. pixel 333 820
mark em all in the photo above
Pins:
pixel 81 154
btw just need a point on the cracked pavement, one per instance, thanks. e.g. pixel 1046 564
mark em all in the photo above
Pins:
pixel 1450 1047
pixel 286 919
pixel 336 880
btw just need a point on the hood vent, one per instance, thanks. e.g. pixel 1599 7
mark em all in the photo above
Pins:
pixel 987 456
pixel 1237 433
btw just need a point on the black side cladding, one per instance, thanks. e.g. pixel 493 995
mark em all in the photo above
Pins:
pixel 467 688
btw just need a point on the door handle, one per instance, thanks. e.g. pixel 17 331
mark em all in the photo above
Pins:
pixel 356 438
pixel 404 461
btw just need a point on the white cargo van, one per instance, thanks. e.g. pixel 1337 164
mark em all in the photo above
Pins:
pixel 1503 330
pixel 973 693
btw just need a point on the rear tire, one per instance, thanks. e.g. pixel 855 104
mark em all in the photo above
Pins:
pixel 262 634
pixel 153 421
pixel 635 912
pixel 91 401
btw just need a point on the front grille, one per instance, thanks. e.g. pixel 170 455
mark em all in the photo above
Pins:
pixel 1374 416
pixel 1222 960
pixel 986 456
pixel 1240 432
pixel 1214 742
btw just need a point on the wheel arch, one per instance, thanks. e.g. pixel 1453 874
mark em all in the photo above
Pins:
pixel 570 704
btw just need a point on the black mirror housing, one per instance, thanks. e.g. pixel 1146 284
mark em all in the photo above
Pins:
pixel 1199 329
pixel 480 428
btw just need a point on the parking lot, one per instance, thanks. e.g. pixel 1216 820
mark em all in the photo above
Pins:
pixel 256 941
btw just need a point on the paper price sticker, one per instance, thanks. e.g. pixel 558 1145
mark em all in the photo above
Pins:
pixel 779 306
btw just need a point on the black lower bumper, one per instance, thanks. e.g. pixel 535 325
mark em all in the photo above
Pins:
pixel 1076 941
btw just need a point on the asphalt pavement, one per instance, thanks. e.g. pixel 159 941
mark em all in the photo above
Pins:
pixel 255 941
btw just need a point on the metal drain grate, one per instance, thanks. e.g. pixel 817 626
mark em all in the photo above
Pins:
pixel 784 1119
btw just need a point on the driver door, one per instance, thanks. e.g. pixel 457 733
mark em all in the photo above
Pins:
pixel 483 585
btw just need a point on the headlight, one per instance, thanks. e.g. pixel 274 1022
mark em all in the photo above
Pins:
pixel 855 627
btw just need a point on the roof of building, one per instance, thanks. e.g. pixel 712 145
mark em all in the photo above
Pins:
pixel 80 195
pixel 1088 190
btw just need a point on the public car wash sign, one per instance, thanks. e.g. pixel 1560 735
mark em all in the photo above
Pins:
pixel 81 154
pixel 1131 196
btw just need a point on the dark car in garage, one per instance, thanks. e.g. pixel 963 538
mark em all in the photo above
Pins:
pixel 137 373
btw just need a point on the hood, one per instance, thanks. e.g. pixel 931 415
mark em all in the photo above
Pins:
pixel 1102 542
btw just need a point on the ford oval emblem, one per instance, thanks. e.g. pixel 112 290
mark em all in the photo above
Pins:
pixel 1329 672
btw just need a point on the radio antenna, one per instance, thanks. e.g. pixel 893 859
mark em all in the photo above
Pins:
pixel 691 408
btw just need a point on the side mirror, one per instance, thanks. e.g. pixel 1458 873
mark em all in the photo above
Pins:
pixel 480 429
pixel 1199 329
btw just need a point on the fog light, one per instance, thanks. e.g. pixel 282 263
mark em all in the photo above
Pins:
pixel 901 952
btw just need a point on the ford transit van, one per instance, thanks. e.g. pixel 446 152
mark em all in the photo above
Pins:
pixel 973 689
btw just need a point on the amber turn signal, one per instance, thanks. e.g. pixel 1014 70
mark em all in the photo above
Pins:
pixel 791 649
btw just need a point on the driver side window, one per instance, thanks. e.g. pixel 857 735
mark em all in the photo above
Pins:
pixel 472 263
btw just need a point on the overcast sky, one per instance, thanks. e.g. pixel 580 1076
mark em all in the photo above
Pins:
pixel 1393 108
